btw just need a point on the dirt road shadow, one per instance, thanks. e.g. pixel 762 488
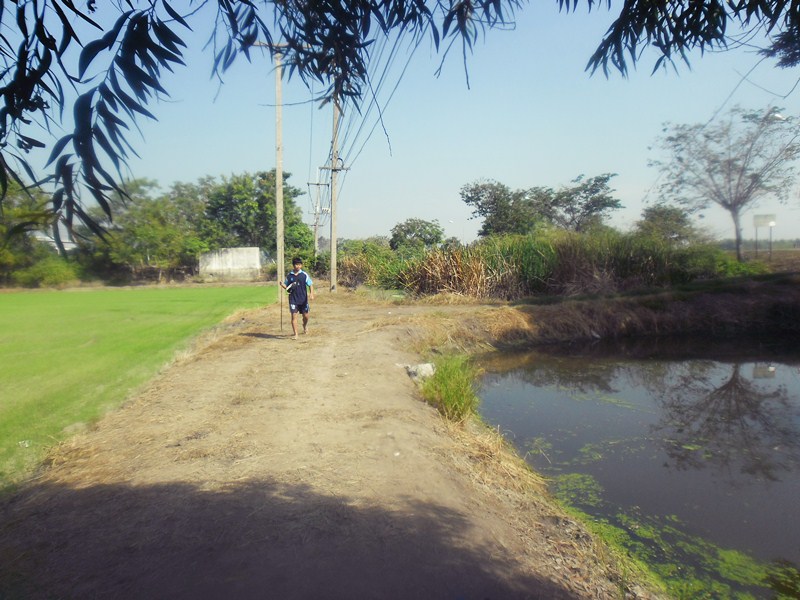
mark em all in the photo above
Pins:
pixel 266 336
pixel 257 539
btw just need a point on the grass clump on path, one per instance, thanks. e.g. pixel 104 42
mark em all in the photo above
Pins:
pixel 68 357
pixel 451 388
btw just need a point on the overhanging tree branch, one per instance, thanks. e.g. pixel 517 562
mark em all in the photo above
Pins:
pixel 119 68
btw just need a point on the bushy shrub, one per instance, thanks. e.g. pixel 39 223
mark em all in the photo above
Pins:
pixel 52 271
pixel 369 262
pixel 711 262
pixel 269 271
pixel 608 261
pixel 730 267
pixel 451 388
pixel 320 266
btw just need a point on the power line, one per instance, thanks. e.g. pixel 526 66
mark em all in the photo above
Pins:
pixel 391 95
pixel 356 127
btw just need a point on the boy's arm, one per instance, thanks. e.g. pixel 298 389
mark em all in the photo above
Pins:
pixel 311 292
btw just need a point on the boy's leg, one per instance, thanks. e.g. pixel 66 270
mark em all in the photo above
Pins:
pixel 305 322
pixel 294 324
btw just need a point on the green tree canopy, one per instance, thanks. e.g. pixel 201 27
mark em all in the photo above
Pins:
pixel 734 163
pixel 150 235
pixel 154 235
pixel 376 245
pixel 503 210
pixel 671 224
pixel 240 211
pixel 576 207
pixel 416 234
pixel 21 216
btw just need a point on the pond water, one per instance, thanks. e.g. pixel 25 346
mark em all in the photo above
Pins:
pixel 687 452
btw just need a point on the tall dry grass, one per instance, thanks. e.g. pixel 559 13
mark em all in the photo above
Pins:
pixel 501 267
pixel 608 262
pixel 460 272
pixel 556 262
pixel 563 264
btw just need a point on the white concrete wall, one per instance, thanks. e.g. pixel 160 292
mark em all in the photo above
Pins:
pixel 231 263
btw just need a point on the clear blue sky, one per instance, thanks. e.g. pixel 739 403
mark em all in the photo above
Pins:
pixel 531 116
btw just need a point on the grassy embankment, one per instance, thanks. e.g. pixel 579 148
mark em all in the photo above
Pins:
pixel 68 357
pixel 714 305
pixel 764 305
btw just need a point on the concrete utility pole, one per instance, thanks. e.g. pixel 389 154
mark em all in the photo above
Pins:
pixel 334 171
pixel 318 210
pixel 281 270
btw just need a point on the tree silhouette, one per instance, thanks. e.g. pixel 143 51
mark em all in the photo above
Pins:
pixel 730 425
pixel 733 163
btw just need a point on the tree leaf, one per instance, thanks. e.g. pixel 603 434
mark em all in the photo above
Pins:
pixel 106 146
pixel 172 13
pixel 88 54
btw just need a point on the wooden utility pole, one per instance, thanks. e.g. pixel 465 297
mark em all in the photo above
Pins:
pixel 334 171
pixel 281 270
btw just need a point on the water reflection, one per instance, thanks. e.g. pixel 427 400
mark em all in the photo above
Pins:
pixel 737 423
pixel 712 414
pixel 703 437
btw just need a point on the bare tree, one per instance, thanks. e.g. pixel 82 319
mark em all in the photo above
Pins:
pixel 733 163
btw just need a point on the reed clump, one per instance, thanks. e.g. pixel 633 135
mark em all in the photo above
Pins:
pixel 548 263
pixel 562 263
pixel 451 389
pixel 370 263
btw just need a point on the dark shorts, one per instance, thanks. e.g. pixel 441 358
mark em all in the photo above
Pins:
pixel 302 308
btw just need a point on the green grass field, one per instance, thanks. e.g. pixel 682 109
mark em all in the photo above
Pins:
pixel 66 357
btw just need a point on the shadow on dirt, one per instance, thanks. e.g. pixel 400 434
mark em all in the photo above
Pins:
pixel 266 336
pixel 257 539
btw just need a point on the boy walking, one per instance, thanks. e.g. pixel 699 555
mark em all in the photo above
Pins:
pixel 301 290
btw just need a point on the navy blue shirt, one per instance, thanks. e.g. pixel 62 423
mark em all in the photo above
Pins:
pixel 298 293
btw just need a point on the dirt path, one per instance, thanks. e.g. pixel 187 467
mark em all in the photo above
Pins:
pixel 262 467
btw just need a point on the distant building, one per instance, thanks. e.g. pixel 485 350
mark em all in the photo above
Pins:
pixel 232 263
pixel 47 238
